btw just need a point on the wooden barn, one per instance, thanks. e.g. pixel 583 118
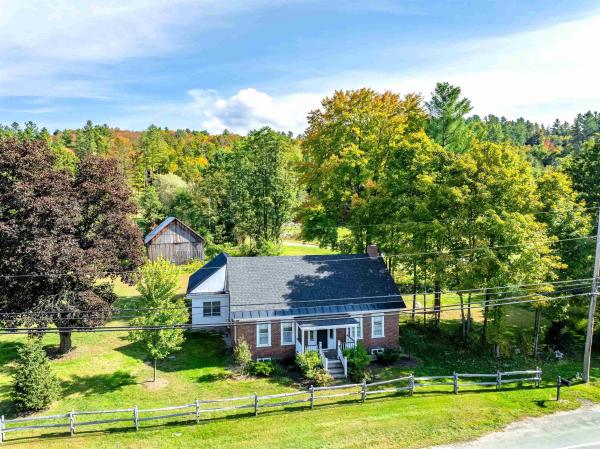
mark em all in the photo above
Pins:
pixel 175 241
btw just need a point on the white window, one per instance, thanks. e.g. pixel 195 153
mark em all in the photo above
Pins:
pixel 263 334
pixel 356 332
pixel 377 326
pixel 211 308
pixel 287 333
pixel 264 359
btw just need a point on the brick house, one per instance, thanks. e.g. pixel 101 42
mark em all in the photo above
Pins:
pixel 290 304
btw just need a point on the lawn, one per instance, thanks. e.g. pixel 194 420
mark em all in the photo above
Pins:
pixel 105 371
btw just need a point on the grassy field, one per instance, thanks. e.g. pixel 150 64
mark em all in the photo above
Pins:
pixel 105 371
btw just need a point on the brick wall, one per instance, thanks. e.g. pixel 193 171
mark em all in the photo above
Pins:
pixel 248 333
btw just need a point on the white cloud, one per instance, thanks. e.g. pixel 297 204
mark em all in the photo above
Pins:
pixel 249 109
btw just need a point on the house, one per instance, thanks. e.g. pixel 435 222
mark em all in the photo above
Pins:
pixel 285 305
pixel 175 241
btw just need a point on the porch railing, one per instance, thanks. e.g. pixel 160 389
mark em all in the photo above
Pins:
pixel 300 348
pixel 348 344
pixel 324 360
pixel 342 358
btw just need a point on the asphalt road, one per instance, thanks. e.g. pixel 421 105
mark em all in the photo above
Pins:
pixel 579 429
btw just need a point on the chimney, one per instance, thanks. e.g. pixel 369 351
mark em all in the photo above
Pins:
pixel 373 251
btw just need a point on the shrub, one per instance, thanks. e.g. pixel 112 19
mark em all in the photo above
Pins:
pixel 358 363
pixel 321 377
pixel 411 339
pixel 242 355
pixel 262 369
pixel 308 362
pixel 388 356
pixel 34 385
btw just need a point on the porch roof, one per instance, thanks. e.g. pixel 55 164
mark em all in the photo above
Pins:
pixel 327 323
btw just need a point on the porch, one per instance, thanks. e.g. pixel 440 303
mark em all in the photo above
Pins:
pixel 329 337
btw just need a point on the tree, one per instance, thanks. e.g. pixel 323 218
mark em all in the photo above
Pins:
pixel 34 384
pixel 157 285
pixel 63 239
pixel 152 208
pixel 447 112
pixel 262 189
pixel 346 150
pixel 584 169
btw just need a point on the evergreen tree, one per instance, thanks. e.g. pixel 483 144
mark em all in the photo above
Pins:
pixel 447 112
pixel 152 208
pixel 34 384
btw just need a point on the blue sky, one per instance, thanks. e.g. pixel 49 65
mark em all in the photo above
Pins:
pixel 210 64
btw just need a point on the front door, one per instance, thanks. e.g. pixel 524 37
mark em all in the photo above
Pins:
pixel 322 338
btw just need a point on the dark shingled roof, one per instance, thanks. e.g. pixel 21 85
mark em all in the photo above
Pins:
pixel 308 285
pixel 206 271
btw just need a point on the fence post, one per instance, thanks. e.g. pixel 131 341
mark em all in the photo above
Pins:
pixel 197 411
pixel 255 404
pixel 455 376
pixel 312 397
pixel 498 379
pixel 364 390
pixel 71 423
pixel 136 420
pixel 539 376
pixel 411 384
pixel 558 379
pixel 1 428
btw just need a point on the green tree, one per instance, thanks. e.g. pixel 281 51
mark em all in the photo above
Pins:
pixel 157 285
pixel 584 169
pixel 34 385
pixel 152 208
pixel 263 187
pixel 346 148
pixel 447 112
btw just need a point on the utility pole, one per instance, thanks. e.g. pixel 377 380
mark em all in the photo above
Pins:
pixel 587 355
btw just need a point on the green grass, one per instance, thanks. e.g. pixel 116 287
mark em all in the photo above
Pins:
pixel 288 249
pixel 105 371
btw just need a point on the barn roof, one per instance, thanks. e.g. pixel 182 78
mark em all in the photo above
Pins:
pixel 165 223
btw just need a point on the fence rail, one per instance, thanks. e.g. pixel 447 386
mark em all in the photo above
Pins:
pixel 197 409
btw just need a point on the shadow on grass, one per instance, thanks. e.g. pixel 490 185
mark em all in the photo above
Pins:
pixel 98 383
pixel 8 352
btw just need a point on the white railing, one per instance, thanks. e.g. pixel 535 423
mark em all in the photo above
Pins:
pixel 342 358
pixel 348 344
pixel 324 360
pixel 299 347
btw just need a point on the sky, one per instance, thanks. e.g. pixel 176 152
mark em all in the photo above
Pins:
pixel 243 64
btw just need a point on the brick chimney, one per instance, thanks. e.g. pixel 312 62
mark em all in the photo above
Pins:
pixel 373 251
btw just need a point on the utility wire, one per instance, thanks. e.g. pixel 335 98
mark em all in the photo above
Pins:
pixel 13 331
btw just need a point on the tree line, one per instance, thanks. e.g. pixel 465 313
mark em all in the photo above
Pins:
pixel 465 202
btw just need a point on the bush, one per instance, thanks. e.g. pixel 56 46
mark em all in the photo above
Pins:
pixel 321 377
pixel 358 363
pixel 411 339
pixel 242 355
pixel 388 356
pixel 262 369
pixel 34 385
pixel 308 362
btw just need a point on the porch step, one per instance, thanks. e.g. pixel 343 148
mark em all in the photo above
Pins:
pixel 335 368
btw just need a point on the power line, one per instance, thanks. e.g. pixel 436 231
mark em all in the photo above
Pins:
pixel 574 284
pixel 13 331
pixel 357 257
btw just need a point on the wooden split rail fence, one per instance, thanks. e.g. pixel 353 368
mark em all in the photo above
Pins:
pixel 254 402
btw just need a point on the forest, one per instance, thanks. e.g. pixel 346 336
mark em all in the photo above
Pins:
pixel 455 201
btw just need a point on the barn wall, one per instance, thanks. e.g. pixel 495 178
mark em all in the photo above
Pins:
pixel 177 244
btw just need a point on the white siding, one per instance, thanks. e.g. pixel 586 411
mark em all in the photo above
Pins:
pixel 198 301
pixel 214 284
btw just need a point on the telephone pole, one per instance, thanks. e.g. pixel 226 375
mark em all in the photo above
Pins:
pixel 587 355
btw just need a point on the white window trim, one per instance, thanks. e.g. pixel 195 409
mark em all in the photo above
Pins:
pixel 377 317
pixel 211 308
pixel 360 326
pixel 290 323
pixel 258 326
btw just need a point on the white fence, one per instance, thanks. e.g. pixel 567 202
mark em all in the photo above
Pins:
pixel 254 402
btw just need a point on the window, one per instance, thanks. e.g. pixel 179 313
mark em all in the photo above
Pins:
pixel 211 308
pixel 287 333
pixel 264 359
pixel 376 351
pixel 263 334
pixel 377 326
